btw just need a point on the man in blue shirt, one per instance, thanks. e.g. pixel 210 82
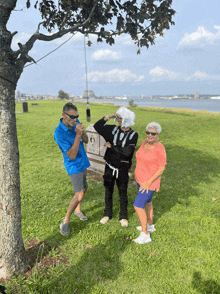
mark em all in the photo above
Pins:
pixel 70 135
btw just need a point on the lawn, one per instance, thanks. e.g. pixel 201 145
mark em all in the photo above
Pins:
pixel 184 255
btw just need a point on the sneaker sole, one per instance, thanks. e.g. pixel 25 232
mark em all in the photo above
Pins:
pixel 143 242
pixel 62 232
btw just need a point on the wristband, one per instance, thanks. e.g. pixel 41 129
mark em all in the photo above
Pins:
pixel 107 117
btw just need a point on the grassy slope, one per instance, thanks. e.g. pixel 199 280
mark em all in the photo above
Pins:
pixel 184 254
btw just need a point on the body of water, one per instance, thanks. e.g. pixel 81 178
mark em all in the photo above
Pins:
pixel 212 105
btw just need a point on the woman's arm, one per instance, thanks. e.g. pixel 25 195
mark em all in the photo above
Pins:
pixel 146 185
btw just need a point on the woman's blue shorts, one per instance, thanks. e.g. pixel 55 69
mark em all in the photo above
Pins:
pixel 143 198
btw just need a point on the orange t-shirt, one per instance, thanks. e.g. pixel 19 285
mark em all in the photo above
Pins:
pixel 148 163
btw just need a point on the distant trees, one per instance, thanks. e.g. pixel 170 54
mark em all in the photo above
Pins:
pixel 131 103
pixel 63 95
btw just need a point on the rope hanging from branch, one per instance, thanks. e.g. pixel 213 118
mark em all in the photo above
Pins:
pixel 88 116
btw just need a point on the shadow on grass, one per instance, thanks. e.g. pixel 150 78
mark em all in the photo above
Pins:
pixel 97 265
pixel 204 286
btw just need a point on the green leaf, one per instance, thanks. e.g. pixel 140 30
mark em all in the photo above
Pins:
pixel 28 4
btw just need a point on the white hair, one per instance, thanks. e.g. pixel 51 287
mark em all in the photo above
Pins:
pixel 127 115
pixel 154 125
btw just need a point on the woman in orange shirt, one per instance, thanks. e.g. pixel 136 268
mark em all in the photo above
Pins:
pixel 151 161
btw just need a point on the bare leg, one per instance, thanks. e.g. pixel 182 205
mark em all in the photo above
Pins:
pixel 74 202
pixel 78 207
pixel 143 218
pixel 149 212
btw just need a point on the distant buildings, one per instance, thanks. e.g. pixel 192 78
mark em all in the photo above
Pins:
pixel 196 96
pixel 216 97
pixel 121 98
pixel 19 97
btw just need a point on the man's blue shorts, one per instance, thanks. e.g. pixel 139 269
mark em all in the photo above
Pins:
pixel 143 198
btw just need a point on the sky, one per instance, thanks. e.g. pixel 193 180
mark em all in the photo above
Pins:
pixel 184 61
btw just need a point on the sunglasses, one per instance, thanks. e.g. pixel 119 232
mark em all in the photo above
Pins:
pixel 153 134
pixel 72 116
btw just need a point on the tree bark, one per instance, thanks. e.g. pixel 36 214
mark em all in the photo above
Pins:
pixel 13 258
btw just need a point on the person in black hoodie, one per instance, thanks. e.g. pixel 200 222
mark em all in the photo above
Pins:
pixel 120 142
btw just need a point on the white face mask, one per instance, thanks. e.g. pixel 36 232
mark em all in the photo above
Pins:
pixel 127 115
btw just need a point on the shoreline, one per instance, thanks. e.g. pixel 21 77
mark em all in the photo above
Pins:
pixel 161 109
pixel 198 106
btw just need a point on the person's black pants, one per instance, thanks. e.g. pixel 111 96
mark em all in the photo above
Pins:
pixel 122 184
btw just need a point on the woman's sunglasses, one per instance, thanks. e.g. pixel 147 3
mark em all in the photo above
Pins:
pixel 72 116
pixel 153 134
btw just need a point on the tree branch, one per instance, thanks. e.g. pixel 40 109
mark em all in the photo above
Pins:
pixel 38 28
pixel 24 49
pixel 13 34
pixel 62 24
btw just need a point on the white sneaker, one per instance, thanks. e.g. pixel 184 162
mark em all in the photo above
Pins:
pixel 149 228
pixel 104 220
pixel 124 222
pixel 143 238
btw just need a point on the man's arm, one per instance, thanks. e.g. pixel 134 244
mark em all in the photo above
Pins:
pixel 104 130
pixel 99 126
pixel 75 147
pixel 85 137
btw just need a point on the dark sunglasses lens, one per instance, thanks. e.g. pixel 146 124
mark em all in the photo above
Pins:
pixel 73 116
pixel 153 134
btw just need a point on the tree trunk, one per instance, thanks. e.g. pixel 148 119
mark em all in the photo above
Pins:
pixel 13 258
pixel 13 255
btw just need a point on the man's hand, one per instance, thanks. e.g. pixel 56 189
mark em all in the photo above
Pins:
pixel 108 145
pixel 79 129
pixel 115 115
pixel 107 117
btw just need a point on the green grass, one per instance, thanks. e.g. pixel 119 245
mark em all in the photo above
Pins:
pixel 184 255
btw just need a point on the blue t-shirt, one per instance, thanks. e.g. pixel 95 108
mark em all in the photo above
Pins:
pixel 65 137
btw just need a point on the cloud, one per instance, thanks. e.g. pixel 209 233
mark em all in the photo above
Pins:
pixel 106 55
pixel 161 74
pixel 198 75
pixel 199 39
pixel 201 76
pixel 125 40
pixel 21 38
pixel 114 75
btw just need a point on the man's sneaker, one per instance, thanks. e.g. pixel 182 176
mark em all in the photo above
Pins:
pixel 124 222
pixel 143 238
pixel 149 228
pixel 81 216
pixel 64 229
pixel 104 220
